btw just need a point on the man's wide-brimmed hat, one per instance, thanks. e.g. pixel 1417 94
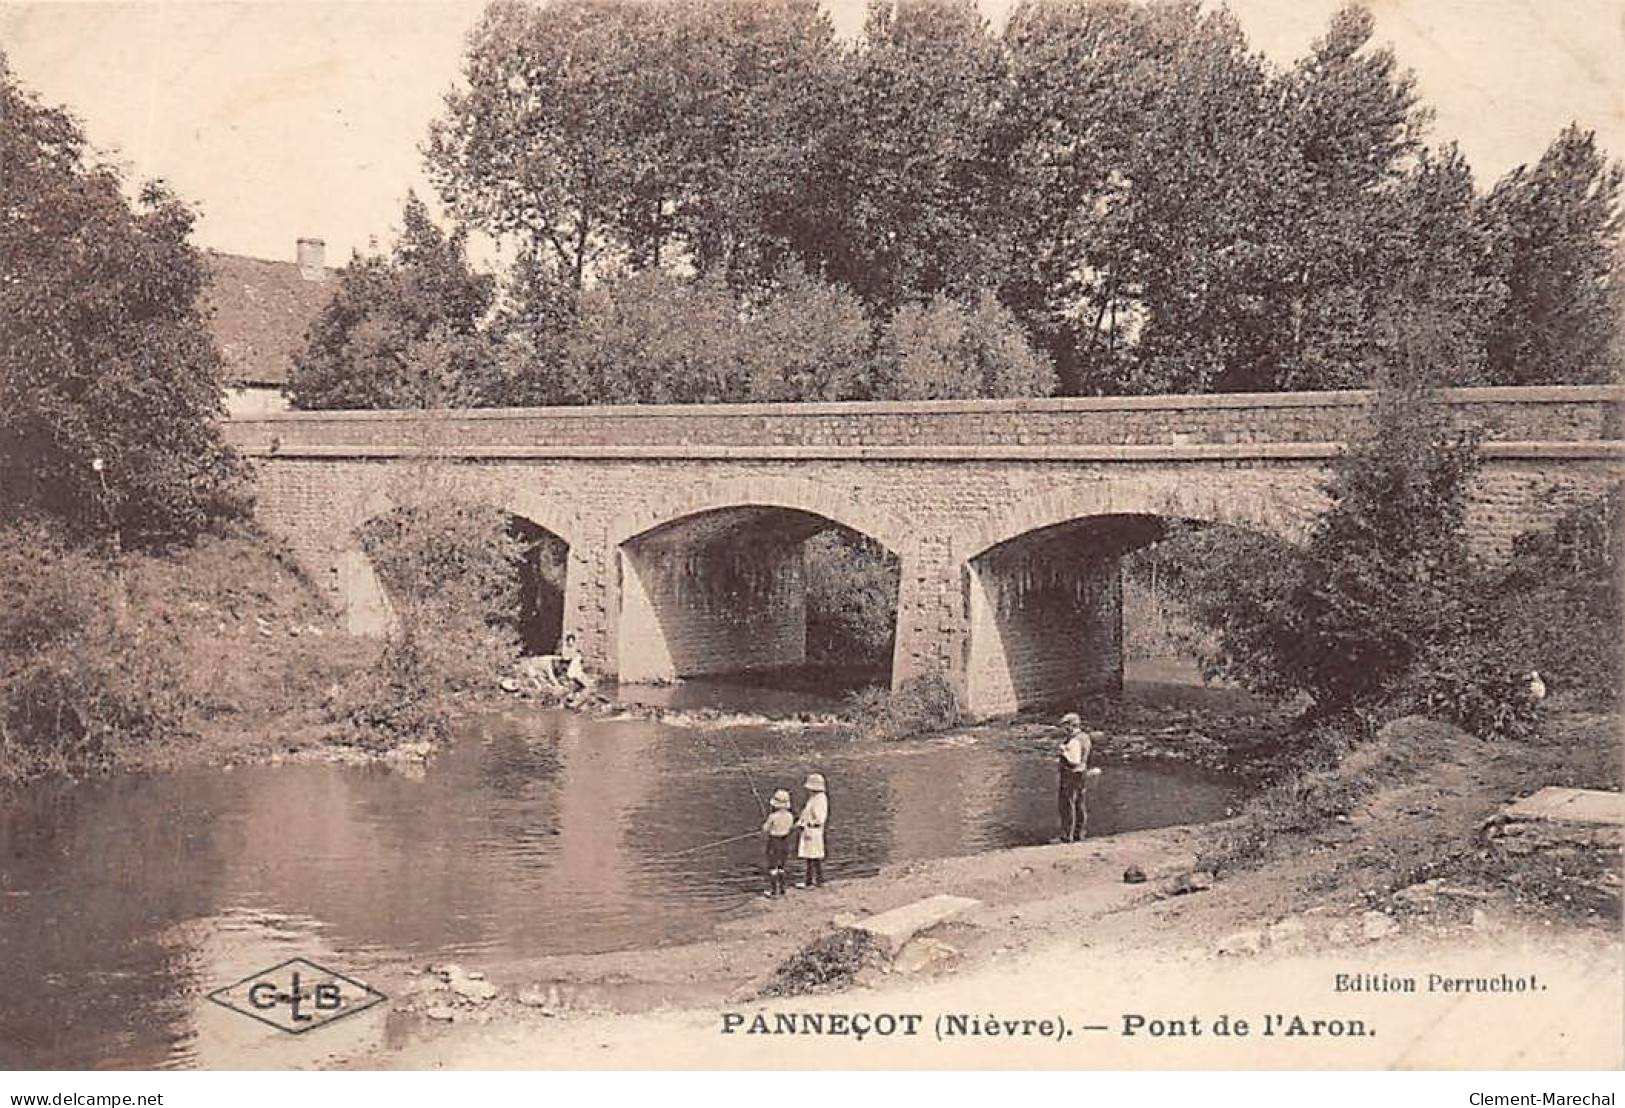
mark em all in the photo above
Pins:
pixel 781 799
pixel 814 782
pixel 1072 719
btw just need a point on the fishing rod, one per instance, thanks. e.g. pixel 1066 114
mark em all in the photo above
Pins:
pixel 708 846
pixel 739 757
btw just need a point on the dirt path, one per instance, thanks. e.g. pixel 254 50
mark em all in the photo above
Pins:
pixel 1570 1018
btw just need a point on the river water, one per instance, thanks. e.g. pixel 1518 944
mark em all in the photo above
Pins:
pixel 123 901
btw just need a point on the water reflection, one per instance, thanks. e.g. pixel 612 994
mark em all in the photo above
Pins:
pixel 124 901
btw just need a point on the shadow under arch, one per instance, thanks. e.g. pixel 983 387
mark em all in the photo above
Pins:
pixel 1206 498
pixel 1044 584
pixel 769 491
pixel 718 584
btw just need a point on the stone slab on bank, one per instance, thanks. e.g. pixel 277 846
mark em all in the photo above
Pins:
pixel 894 928
pixel 1571 806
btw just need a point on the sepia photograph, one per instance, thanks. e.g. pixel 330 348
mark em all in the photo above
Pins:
pixel 810 536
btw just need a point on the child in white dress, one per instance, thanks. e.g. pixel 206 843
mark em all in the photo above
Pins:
pixel 814 817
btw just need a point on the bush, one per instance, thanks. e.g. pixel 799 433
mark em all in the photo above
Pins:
pixel 809 340
pixel 652 338
pixel 1468 681
pixel 1382 580
pixel 448 565
pixel 825 965
pixel 851 600
pixel 919 706
pixel 1560 601
pixel 948 350
pixel 81 685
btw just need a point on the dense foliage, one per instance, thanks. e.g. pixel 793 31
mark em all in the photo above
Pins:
pixel 1382 607
pixel 109 378
pixel 1563 612
pixel 852 586
pixel 1157 205
pixel 448 565
pixel 919 706
pixel 948 350
pixel 403 331
pixel 79 684
pixel 1558 247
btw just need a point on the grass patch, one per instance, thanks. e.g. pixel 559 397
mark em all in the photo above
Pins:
pixel 827 965
pixel 919 706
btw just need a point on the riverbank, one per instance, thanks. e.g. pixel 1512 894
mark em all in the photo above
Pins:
pixel 1406 869
pixel 254 660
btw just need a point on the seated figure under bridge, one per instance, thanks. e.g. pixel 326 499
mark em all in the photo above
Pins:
pixel 564 672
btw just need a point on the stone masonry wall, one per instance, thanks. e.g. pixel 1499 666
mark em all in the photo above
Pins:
pixel 1508 414
pixel 676 623
pixel 1054 643
pixel 911 477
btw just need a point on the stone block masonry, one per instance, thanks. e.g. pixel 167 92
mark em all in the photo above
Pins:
pixel 682 618
pixel 646 498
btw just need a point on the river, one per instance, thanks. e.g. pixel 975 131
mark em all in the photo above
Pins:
pixel 125 900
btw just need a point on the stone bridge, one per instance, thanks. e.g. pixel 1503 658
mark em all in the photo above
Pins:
pixel 676 533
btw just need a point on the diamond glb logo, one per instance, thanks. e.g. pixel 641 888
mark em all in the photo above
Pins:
pixel 297 996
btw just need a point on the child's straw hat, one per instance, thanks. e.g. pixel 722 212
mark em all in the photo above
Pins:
pixel 814 783
pixel 781 799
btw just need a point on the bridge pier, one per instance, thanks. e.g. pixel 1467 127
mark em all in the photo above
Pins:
pixel 591 589
pixel 718 610
pixel 931 623
pixel 1043 631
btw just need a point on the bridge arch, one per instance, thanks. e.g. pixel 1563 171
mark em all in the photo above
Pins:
pixel 1282 508
pixel 1044 583
pixel 547 533
pixel 767 491
pixel 718 581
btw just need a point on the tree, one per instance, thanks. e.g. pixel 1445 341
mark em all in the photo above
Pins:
pixel 109 379
pixel 904 196
pixel 403 331
pixel 763 81
pixel 654 338
pixel 1139 138
pixel 807 339
pixel 607 134
pixel 1559 226
pixel 1352 125
pixel 947 350
pixel 530 328
pixel 1383 584
pixel 1431 314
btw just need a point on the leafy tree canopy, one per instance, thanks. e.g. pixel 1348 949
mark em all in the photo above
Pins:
pixel 109 378
pixel 403 331
pixel 1159 206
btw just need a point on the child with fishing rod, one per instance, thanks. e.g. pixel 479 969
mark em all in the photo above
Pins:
pixel 776 829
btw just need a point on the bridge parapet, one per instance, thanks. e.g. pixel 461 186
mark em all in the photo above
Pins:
pixel 926 428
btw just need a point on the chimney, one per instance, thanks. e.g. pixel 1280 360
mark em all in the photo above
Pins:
pixel 311 252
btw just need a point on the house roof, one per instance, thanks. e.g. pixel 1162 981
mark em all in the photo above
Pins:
pixel 261 309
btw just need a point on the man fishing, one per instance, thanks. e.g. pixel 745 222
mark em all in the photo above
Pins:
pixel 1072 766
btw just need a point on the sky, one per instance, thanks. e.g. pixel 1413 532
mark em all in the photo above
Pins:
pixel 304 117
